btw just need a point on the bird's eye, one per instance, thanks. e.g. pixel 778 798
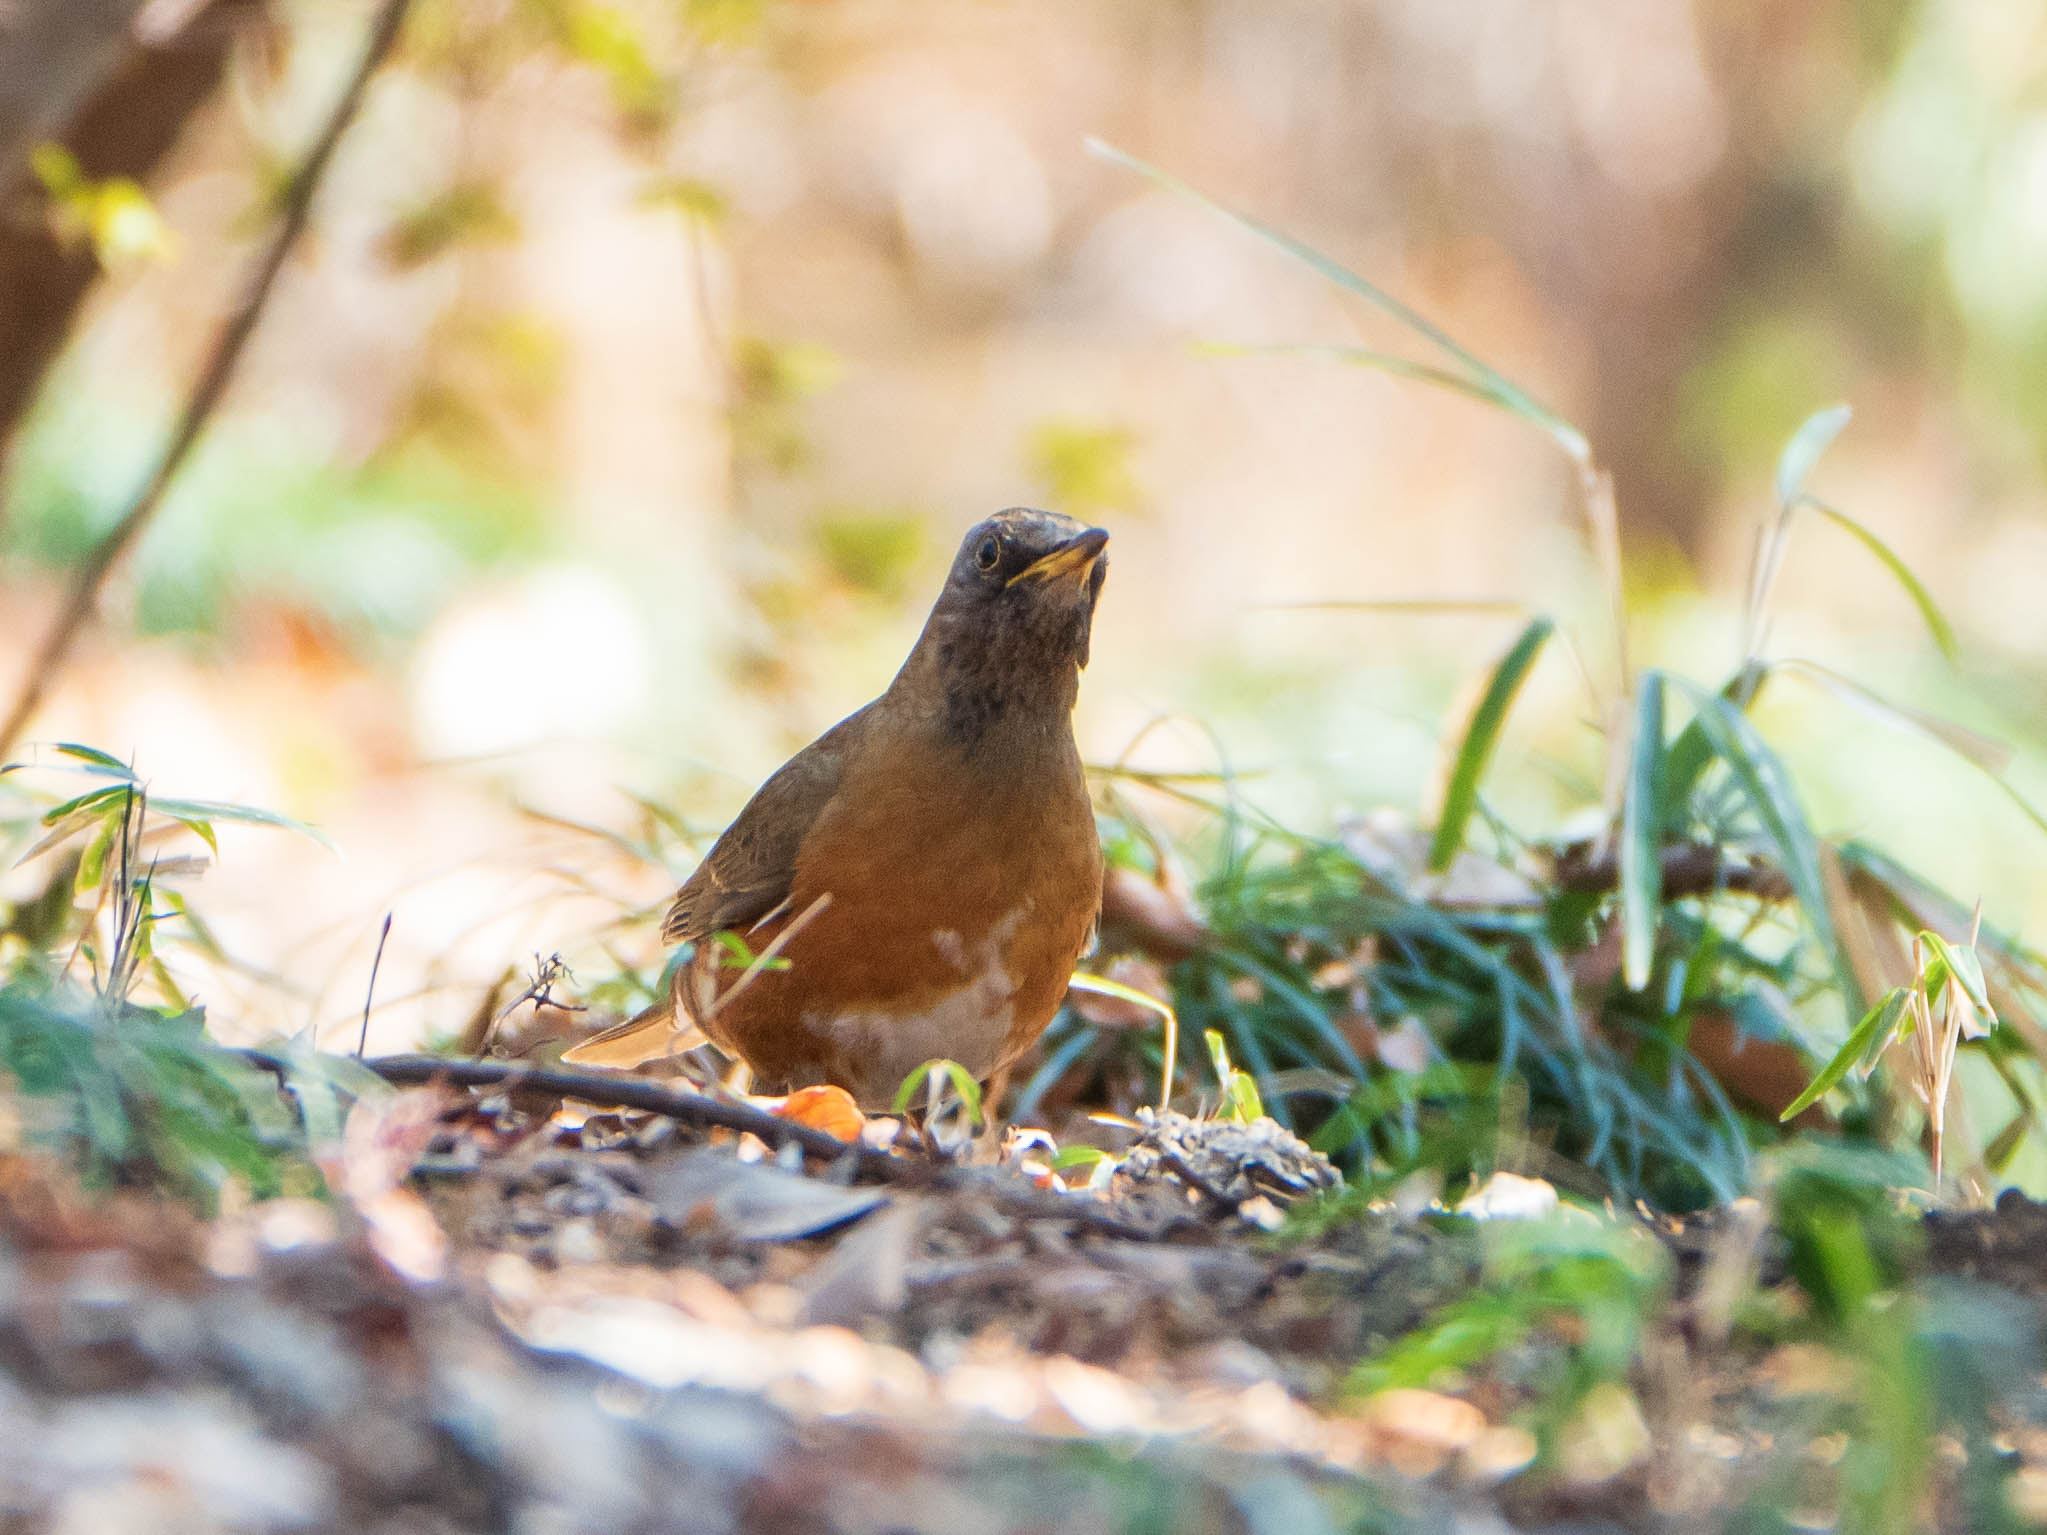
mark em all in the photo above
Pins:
pixel 989 552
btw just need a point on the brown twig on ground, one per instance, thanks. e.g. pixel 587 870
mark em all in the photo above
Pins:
pixel 1691 868
pixel 293 215
pixel 705 1113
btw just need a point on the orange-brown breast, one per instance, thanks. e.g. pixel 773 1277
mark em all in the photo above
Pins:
pixel 959 908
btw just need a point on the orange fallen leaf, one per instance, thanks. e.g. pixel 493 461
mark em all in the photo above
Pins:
pixel 827 1108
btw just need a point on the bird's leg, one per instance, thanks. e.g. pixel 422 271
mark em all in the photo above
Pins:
pixel 988 1144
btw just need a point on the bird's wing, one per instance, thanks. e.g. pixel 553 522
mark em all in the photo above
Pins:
pixel 747 874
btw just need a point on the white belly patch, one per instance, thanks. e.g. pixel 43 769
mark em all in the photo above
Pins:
pixel 968 1024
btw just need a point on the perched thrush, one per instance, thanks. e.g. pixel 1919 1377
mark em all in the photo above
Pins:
pixel 932 859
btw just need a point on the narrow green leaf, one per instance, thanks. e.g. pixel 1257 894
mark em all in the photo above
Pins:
pixel 1929 610
pixel 1960 962
pixel 1239 1088
pixel 1384 362
pixel 1460 799
pixel 1641 846
pixel 1979 751
pixel 203 830
pixel 2005 1144
pixel 1767 786
pixel 211 810
pixel 1866 1039
pixel 1693 750
pixel 87 802
pixel 92 863
pixel 94 757
pixel 1894 1016
pixel 962 1080
pixel 1422 607
pixel 737 954
pixel 1218 1054
pixel 1509 394
pixel 1803 451
pixel 1077 1156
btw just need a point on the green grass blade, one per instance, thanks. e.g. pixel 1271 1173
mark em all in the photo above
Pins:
pixel 1929 611
pixel 1813 437
pixel 1510 395
pixel 1767 786
pixel 1641 846
pixel 1690 753
pixel 1864 1044
pixel 1364 357
pixel 1988 756
pixel 962 1081
pixel 1981 751
pixel 1461 798
pixel 247 815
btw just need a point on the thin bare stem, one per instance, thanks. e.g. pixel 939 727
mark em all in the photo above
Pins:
pixel 369 996
pixel 211 386
pixel 775 946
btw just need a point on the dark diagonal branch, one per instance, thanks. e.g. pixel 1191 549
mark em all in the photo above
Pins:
pixel 1689 868
pixel 221 361
pixel 618 1090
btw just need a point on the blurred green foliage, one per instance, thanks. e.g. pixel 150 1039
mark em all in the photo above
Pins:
pixel 1084 467
pixel 872 552
pixel 372 551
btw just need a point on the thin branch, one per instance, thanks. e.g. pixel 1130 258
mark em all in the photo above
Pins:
pixel 1689 868
pixel 362 1041
pixel 627 1092
pixel 616 1089
pixel 213 380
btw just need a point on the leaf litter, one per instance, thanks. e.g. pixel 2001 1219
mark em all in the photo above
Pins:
pixel 642 1325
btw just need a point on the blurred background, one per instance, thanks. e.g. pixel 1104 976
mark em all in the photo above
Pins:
pixel 608 434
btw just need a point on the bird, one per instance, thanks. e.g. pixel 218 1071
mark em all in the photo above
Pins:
pixel 919 882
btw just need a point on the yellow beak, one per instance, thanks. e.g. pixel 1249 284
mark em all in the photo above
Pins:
pixel 1077 555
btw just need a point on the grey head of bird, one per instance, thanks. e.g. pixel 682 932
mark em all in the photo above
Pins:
pixel 1009 633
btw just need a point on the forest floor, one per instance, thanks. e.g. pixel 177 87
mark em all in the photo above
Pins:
pixel 522 1317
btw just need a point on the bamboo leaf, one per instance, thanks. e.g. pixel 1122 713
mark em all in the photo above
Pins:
pixel 90 801
pixel 1929 610
pixel 1641 846
pixel 189 810
pixel 92 863
pixel 93 757
pixel 1460 798
pixel 1865 1041
pixel 203 830
pixel 1803 451
pixel 1960 962
pixel 1894 1013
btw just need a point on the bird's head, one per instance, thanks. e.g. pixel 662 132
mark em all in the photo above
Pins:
pixel 1011 628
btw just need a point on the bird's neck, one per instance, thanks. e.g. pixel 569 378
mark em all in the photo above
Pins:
pixel 986 704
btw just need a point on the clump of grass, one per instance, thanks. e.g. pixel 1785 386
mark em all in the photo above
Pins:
pixel 1724 905
pixel 133 1091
